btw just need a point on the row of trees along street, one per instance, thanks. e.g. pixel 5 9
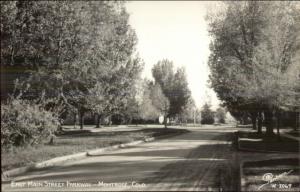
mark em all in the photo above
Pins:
pixel 78 59
pixel 255 61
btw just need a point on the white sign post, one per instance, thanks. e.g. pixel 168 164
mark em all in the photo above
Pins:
pixel 161 119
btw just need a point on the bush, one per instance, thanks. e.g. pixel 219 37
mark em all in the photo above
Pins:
pixel 207 115
pixel 25 123
pixel 208 120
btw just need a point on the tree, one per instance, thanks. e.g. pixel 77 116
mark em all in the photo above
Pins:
pixel 236 33
pixel 173 84
pixel 207 115
pixel 146 108
pixel 220 115
pixel 35 43
pixel 272 58
pixel 189 112
pixel 160 101
pixel 8 14
pixel 181 92
pixel 163 73
pixel 123 90
pixel 43 41
pixel 108 61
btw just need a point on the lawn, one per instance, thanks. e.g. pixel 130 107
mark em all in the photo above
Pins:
pixel 285 173
pixel 294 133
pixel 254 142
pixel 74 141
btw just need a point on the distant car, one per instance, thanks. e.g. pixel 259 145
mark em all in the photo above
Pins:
pixel 217 124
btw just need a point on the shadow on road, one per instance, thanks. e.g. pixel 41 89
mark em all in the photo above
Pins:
pixel 207 166
pixel 182 165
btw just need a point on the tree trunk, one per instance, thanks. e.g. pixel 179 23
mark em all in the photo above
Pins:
pixel 297 123
pixel 259 123
pixel 278 124
pixel 98 121
pixel 59 128
pixel 109 120
pixel 269 123
pixel 165 121
pixel 81 119
pixel 245 119
pixel 52 138
pixel 75 119
pixel 253 119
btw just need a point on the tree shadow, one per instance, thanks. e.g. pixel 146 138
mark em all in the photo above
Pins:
pixel 207 166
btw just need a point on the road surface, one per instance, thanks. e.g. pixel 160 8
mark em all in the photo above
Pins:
pixel 192 161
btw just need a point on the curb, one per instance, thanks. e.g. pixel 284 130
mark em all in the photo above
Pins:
pixel 124 145
pixel 57 160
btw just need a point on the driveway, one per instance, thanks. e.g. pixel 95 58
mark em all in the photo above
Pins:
pixel 193 161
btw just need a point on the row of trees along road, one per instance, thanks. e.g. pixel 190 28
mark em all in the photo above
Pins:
pixel 254 59
pixel 60 58
pixel 69 56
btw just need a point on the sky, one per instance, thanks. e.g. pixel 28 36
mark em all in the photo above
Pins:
pixel 177 31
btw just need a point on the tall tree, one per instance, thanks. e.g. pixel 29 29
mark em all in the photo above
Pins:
pixel 146 108
pixel 236 33
pixel 181 94
pixel 174 85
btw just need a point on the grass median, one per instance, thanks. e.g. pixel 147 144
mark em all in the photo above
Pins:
pixel 253 141
pixel 74 141
pixel 294 133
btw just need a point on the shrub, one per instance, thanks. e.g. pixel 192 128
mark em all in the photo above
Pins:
pixel 208 120
pixel 207 115
pixel 25 123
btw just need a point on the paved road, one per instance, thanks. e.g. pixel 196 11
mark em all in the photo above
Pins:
pixel 193 161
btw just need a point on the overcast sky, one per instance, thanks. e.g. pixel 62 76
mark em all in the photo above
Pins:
pixel 175 30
